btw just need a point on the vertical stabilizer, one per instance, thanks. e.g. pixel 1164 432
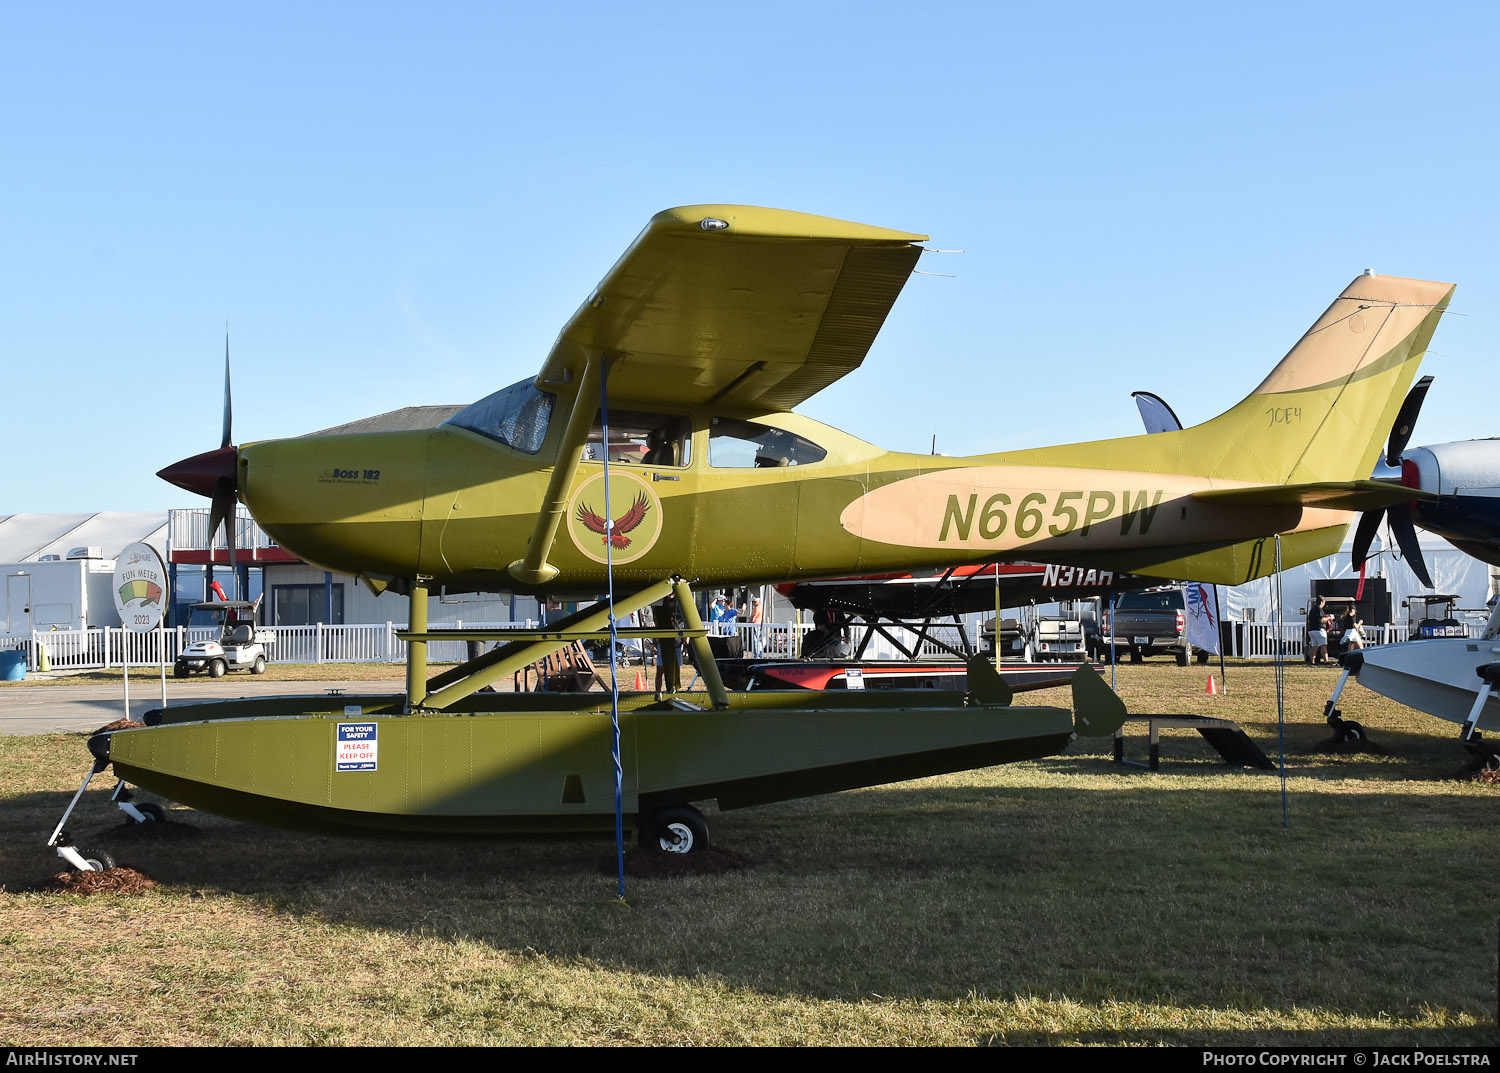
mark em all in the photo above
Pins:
pixel 1322 414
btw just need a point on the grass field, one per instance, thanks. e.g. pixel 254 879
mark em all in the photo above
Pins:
pixel 1060 901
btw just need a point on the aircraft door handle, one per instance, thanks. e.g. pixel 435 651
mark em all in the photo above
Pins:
pixel 663 477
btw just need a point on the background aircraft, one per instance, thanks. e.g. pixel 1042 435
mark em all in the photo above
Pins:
pixel 957 590
pixel 1461 481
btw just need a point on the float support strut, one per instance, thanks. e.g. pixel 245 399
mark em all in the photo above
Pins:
pixel 703 654
pixel 416 651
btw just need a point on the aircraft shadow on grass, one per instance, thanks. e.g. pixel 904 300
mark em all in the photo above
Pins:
pixel 1192 898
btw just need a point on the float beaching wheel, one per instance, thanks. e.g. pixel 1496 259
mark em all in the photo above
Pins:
pixel 676 829
pixel 97 860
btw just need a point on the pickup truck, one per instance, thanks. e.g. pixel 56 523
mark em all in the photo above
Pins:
pixel 1150 622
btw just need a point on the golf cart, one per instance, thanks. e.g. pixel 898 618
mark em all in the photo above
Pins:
pixel 1434 615
pixel 241 645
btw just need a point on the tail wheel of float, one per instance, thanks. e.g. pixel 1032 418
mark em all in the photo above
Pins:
pixel 153 812
pixel 675 829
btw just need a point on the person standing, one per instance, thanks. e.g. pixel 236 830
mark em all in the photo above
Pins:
pixel 666 616
pixel 753 616
pixel 1317 634
pixel 722 616
pixel 1342 625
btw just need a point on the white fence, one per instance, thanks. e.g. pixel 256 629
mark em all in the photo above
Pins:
pixel 360 643
pixel 771 640
pixel 73 650
pixel 1258 640
pixel 378 643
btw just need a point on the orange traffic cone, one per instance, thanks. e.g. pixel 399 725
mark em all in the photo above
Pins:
pixel 640 681
pixel 1212 689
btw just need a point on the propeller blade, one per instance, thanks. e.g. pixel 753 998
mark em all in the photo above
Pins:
pixel 229 408
pixel 1406 419
pixel 231 524
pixel 1364 534
pixel 1405 533
pixel 222 509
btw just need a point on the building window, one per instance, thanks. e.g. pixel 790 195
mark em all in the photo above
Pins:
pixel 302 605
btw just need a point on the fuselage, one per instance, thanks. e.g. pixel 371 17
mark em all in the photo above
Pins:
pixel 730 496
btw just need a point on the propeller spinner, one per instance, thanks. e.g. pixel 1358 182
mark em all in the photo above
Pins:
pixel 1399 516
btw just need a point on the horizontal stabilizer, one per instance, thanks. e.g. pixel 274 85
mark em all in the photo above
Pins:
pixel 1330 495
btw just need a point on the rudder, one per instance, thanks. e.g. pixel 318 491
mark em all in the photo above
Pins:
pixel 1325 410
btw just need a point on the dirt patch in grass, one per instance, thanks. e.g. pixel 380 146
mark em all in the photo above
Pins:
pixel 110 881
pixel 120 724
pixel 653 864
pixel 1473 771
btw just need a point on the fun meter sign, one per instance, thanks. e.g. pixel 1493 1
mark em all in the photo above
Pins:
pixel 357 747
pixel 140 586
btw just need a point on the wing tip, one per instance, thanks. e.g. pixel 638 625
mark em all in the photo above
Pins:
pixel 755 221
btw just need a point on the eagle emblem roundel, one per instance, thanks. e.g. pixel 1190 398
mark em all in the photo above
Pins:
pixel 622 531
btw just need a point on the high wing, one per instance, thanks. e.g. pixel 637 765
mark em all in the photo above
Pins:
pixel 742 306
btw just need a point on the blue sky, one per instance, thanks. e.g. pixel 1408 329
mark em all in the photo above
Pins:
pixel 399 203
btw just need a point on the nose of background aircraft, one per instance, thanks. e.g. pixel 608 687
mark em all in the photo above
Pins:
pixel 202 472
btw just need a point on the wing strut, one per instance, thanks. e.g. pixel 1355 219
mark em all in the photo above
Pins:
pixel 534 569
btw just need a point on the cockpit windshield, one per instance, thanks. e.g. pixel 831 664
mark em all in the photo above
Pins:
pixel 517 416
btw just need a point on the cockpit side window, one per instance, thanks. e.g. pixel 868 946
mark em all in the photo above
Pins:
pixel 517 416
pixel 640 438
pixel 736 444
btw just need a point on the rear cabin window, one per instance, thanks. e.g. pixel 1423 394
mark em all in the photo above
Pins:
pixel 736 444
pixel 517 416
pixel 640 438
pixel 1169 600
